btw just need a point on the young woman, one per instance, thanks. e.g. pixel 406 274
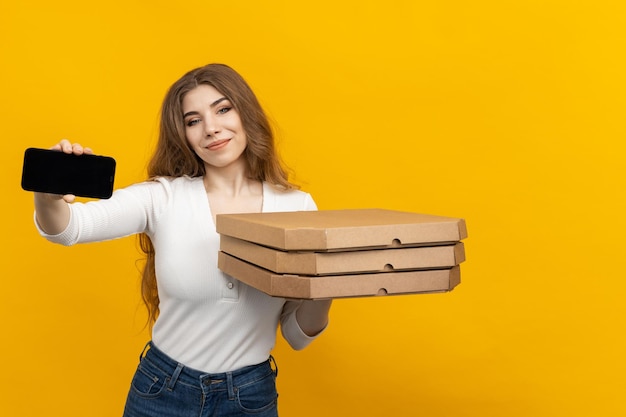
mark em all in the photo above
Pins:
pixel 211 335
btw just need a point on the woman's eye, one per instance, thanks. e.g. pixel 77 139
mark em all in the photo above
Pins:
pixel 193 122
pixel 224 110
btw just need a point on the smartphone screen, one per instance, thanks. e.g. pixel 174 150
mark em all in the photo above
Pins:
pixel 56 172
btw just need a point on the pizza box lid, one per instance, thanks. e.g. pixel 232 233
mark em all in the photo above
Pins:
pixel 341 229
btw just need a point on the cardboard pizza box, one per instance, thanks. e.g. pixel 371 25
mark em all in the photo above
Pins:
pixel 340 286
pixel 344 262
pixel 341 229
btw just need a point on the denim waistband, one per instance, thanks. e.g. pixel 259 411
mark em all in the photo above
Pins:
pixel 178 372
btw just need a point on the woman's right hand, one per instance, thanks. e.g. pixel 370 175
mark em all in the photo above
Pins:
pixel 71 148
pixel 52 211
pixel 68 147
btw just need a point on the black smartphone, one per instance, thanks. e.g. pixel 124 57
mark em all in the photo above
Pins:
pixel 56 172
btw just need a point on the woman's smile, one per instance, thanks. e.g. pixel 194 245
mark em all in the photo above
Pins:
pixel 218 144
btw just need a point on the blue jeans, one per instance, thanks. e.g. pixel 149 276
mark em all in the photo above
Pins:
pixel 163 387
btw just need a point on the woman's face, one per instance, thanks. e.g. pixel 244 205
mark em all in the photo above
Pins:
pixel 213 126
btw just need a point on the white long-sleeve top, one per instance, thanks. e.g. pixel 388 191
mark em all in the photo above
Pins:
pixel 208 320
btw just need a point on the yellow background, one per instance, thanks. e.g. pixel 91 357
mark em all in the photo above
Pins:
pixel 507 113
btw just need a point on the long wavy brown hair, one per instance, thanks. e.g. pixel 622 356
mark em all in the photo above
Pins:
pixel 174 157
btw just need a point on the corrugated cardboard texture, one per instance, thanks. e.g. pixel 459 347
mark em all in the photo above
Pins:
pixel 344 262
pixel 339 286
pixel 341 229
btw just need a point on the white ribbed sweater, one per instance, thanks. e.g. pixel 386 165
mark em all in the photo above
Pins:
pixel 208 320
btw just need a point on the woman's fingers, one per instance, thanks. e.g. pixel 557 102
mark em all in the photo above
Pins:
pixel 69 198
pixel 68 147
pixel 72 148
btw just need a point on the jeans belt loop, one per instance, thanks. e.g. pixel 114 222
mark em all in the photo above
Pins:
pixel 145 349
pixel 174 378
pixel 231 385
pixel 273 365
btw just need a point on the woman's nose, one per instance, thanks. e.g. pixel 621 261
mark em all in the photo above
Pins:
pixel 211 126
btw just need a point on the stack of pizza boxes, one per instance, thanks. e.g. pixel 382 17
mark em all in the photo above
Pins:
pixel 342 253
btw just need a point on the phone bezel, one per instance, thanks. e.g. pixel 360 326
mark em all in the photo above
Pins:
pixel 56 172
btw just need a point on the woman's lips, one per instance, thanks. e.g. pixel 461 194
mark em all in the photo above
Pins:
pixel 218 144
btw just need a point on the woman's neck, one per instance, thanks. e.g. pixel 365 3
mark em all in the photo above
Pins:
pixel 230 190
pixel 231 180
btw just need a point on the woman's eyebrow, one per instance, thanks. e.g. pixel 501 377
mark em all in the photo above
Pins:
pixel 215 103
pixel 218 101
